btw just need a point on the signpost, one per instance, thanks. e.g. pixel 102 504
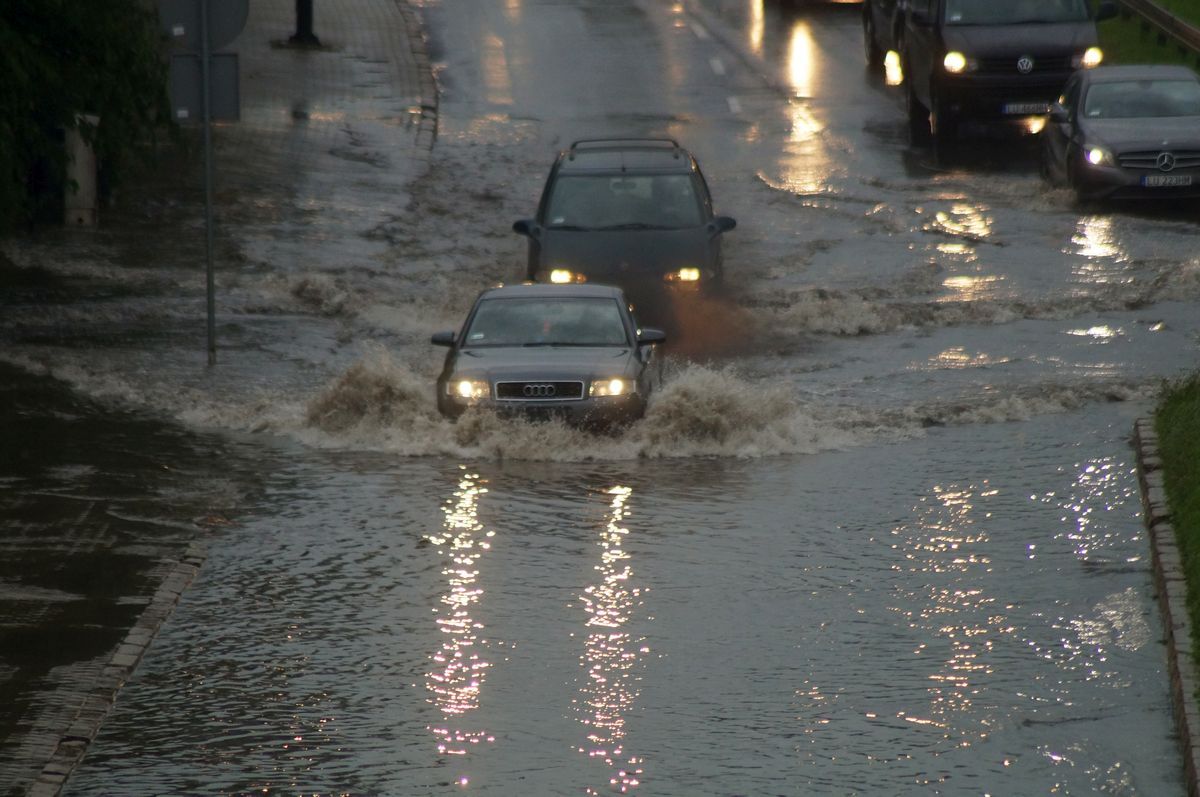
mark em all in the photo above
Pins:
pixel 205 84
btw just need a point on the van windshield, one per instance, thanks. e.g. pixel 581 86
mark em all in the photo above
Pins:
pixel 990 12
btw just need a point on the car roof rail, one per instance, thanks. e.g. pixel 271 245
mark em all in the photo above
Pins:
pixel 607 143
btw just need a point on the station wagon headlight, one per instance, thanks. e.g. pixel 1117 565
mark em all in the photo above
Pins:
pixel 685 274
pixel 468 388
pixel 957 63
pixel 562 276
pixel 1099 156
pixel 1089 58
pixel 610 387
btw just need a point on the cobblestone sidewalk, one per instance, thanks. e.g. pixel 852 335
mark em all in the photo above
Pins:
pixel 104 518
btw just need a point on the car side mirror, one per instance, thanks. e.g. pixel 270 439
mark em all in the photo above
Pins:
pixel 443 338
pixel 526 227
pixel 649 335
pixel 1058 114
pixel 1106 10
pixel 721 224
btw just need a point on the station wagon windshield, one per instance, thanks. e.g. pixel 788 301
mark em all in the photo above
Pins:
pixel 991 12
pixel 1135 99
pixel 600 202
pixel 565 321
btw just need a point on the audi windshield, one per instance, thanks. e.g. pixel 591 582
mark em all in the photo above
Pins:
pixel 567 321
pixel 991 12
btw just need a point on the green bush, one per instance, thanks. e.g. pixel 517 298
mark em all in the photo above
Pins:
pixel 1177 421
pixel 63 58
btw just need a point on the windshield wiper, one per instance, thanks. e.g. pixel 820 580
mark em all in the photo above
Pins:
pixel 634 225
pixel 572 227
pixel 570 343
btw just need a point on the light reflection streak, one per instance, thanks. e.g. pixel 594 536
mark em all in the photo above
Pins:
pixel 757 26
pixel 496 78
pixel 965 221
pixel 801 60
pixel 456 680
pixel 1104 488
pixel 610 658
pixel 1097 244
pixel 970 287
pixel 949 550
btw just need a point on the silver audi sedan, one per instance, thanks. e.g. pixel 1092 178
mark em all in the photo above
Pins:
pixel 544 351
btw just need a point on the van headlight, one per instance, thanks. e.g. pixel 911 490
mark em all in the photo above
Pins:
pixel 610 387
pixel 469 389
pixel 955 62
pixel 1089 58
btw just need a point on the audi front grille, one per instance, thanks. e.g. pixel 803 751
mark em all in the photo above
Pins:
pixel 539 391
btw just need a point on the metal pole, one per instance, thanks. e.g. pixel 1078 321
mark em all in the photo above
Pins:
pixel 208 181
pixel 304 35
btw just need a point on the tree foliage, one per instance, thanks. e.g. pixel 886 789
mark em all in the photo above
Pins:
pixel 61 59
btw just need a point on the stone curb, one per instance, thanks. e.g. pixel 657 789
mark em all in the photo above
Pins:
pixel 427 128
pixel 102 695
pixel 1171 586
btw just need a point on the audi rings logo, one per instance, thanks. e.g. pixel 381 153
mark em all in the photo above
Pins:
pixel 1165 162
pixel 1025 65
pixel 538 391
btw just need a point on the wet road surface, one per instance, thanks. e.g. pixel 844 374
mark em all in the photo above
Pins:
pixel 879 534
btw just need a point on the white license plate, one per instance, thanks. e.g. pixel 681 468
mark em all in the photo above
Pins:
pixel 1166 180
pixel 1026 107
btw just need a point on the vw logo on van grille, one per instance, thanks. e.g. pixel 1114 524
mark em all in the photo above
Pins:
pixel 1025 65
pixel 1165 162
pixel 539 391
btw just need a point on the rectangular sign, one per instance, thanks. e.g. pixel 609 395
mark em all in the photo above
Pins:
pixel 187 89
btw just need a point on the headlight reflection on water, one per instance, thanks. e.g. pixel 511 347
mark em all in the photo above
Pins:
pixel 611 656
pixel 456 680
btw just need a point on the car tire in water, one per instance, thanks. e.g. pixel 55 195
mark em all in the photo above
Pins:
pixel 919 133
pixel 873 51
pixel 944 125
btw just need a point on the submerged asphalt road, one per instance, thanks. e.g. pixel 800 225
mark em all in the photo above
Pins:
pixel 879 534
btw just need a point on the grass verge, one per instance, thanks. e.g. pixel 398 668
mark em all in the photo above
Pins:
pixel 1128 41
pixel 1177 421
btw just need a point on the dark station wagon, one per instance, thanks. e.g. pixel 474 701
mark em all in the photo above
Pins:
pixel 630 212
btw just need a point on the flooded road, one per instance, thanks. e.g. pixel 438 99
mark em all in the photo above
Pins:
pixel 878 534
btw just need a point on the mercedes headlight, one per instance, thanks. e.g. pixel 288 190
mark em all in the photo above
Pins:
pixel 1099 156
pixel 1089 58
pixel 610 387
pixel 468 388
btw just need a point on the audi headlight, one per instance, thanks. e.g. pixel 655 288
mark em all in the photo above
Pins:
pixel 1099 156
pixel 563 276
pixel 1089 58
pixel 955 62
pixel 610 387
pixel 468 388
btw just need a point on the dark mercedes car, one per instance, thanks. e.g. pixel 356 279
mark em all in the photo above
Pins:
pixel 1126 131
pixel 570 351
pixel 992 59
pixel 631 212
